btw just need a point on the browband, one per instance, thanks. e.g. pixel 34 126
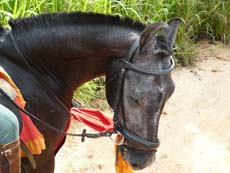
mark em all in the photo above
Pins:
pixel 136 69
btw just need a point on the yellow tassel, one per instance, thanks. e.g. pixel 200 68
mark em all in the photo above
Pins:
pixel 121 165
pixel 35 146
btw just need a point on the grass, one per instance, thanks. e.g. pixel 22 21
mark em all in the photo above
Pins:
pixel 90 91
pixel 204 18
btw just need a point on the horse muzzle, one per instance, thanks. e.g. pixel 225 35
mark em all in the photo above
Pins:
pixel 137 159
pixel 137 151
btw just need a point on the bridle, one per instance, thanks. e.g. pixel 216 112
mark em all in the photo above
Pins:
pixel 130 140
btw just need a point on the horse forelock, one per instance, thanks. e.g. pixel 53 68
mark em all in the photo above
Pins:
pixel 1 29
pixel 163 44
pixel 75 18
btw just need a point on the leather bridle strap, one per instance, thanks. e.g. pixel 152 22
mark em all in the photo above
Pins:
pixel 137 69
pixel 138 143
pixel 132 67
pixel 128 58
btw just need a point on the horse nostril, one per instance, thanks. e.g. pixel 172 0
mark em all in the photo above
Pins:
pixel 136 166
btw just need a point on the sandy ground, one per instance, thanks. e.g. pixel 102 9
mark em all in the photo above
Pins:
pixel 194 128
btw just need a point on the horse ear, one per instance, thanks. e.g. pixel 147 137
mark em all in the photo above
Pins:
pixel 170 33
pixel 148 36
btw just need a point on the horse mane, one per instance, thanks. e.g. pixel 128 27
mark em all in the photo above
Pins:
pixel 74 18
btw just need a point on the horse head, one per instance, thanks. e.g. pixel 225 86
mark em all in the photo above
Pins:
pixel 138 87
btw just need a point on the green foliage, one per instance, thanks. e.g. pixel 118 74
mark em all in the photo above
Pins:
pixel 90 91
pixel 204 18
pixel 87 91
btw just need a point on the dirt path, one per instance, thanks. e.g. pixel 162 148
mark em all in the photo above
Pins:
pixel 194 129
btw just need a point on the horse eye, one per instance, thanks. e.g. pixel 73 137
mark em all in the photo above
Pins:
pixel 134 99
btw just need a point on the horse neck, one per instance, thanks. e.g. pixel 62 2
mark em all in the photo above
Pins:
pixel 75 54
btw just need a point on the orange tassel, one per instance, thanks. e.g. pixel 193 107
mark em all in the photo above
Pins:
pixel 121 165
pixel 35 146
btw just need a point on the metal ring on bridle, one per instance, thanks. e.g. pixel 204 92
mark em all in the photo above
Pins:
pixel 121 141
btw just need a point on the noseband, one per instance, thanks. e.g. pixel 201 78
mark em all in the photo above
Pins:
pixel 131 140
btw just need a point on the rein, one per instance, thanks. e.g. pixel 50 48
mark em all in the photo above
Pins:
pixel 83 134
pixel 130 140
pixel 41 81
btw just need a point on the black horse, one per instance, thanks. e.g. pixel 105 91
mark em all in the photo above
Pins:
pixel 49 56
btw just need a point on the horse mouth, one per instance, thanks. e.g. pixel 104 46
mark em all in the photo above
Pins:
pixel 138 160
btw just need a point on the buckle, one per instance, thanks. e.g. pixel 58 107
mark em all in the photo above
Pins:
pixel 6 153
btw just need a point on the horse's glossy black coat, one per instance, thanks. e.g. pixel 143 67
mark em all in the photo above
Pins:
pixel 63 51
